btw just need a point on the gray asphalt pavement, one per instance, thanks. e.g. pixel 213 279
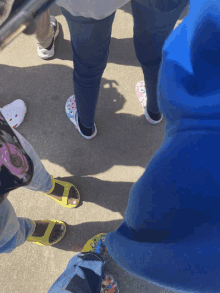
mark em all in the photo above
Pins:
pixel 103 169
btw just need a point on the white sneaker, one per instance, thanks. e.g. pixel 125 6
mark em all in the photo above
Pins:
pixel 45 53
pixel 14 113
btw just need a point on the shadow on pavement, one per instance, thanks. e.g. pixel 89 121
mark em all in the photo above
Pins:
pixel 110 195
pixel 63 47
pixel 77 235
pixel 123 139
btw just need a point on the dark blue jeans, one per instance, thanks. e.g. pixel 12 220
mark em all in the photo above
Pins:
pixel 90 40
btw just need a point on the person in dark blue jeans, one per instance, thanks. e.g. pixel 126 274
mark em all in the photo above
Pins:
pixel 170 235
pixel 90 40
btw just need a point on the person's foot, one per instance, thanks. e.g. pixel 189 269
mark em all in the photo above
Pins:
pixel 153 118
pixel 96 245
pixel 14 113
pixel 47 53
pixel 57 232
pixel 58 193
pixel 109 285
pixel 72 114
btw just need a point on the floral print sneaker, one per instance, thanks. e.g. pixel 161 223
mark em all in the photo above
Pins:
pixel 141 93
pixel 96 245
pixel 142 97
pixel 109 285
pixel 72 114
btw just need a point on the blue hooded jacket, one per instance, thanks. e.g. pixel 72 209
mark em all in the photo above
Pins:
pixel 171 230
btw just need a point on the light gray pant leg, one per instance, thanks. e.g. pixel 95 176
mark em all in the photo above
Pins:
pixel 13 230
pixel 41 180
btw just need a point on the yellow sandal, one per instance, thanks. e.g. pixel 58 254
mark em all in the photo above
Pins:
pixel 44 240
pixel 94 244
pixel 64 198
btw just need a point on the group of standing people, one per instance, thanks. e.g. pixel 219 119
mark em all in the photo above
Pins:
pixel 170 232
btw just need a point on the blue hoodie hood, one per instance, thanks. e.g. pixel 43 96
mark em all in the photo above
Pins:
pixel 189 79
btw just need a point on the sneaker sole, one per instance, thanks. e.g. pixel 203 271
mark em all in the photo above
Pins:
pixel 44 57
pixel 150 120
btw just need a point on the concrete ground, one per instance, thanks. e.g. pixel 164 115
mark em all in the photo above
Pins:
pixel 103 169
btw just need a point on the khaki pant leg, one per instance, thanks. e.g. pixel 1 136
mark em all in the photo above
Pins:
pixel 44 31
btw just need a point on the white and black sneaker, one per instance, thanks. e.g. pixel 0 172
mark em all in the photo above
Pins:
pixel 47 53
